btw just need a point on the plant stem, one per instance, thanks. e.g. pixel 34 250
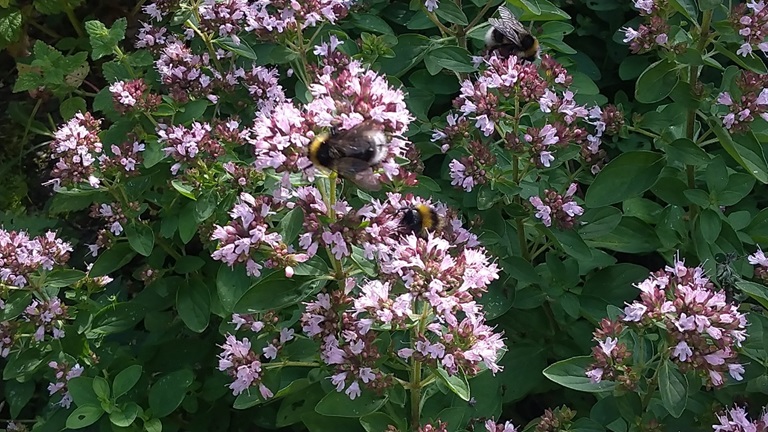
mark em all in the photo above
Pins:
pixel 74 21
pixel 479 16
pixel 432 17
pixel 416 382
pixel 690 124
pixel 43 29
pixel 642 132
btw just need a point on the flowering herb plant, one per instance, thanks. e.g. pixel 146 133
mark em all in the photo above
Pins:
pixel 313 215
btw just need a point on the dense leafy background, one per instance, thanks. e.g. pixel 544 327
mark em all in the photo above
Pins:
pixel 676 180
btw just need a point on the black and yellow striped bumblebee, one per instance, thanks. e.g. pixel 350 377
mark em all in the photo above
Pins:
pixel 507 37
pixel 419 219
pixel 352 153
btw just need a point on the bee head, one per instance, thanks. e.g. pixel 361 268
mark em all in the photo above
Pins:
pixel 419 218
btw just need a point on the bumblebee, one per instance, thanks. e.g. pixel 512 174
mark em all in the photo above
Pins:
pixel 352 153
pixel 507 37
pixel 419 219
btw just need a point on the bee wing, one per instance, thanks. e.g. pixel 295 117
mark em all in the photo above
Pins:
pixel 346 166
pixel 508 25
pixel 358 172
pixel 362 139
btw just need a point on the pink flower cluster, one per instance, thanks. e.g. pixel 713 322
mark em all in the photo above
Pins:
pixel 760 261
pixel 492 426
pixel 342 98
pixel 269 19
pixel 736 420
pixel 64 373
pixel 345 98
pixel 750 101
pixel 241 363
pixel 123 159
pixel 488 101
pixel 82 158
pixel 224 18
pixel 189 145
pixel 562 208
pixel 76 146
pixel 48 316
pixel 441 274
pixel 134 95
pixel 239 359
pixel 703 330
pixel 653 33
pixel 6 334
pixel 750 20
pixel 21 255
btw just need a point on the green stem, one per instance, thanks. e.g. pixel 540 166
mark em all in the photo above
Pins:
pixel 74 21
pixel 643 132
pixel 416 382
pixel 690 124
pixel 479 16
pixel 432 17
pixel 27 127
pixel 282 364
pixel 43 28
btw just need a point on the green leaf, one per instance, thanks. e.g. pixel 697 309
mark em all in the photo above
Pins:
pixel 454 59
pixel 101 388
pixel 571 373
pixel 83 416
pixel 756 291
pixel 183 189
pixel 632 235
pixel 685 7
pixel 124 417
pixel 687 152
pixel 140 237
pixel 275 292
pixel 336 404
pixel 18 394
pixel 656 82
pixel 628 175
pixel 673 388
pixel 231 284
pixel 15 304
pixel 188 223
pixel 193 302
pixel 290 225
pixel 117 318
pixel 118 255
pixel 710 225
pixel 188 264
pixel 104 41
pixel 409 51
pixel 751 61
pixel 125 380
pixel 243 49
pixel 22 363
pixel 457 383
pixel 81 390
pixel 377 422
pixel 450 12
pixel 598 222
pixel 153 425
pixel 747 152
pixel 371 23
pixel 709 4
pixel 70 107
pixel 168 392
pixel 10 26
pixel 63 278
pixel 192 111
